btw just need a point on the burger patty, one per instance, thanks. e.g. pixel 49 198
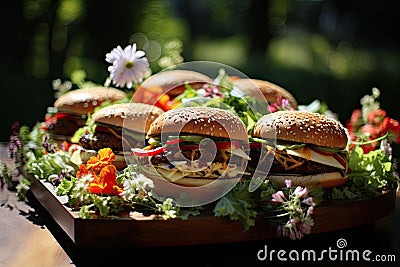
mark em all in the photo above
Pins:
pixel 65 126
pixel 102 139
pixel 307 167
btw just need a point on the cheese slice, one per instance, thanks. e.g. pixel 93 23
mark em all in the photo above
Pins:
pixel 240 153
pixel 309 154
pixel 175 173
pixel 172 175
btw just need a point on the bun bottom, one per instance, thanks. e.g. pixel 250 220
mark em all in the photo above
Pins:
pixel 196 181
pixel 326 180
pixel 188 191
pixel 186 181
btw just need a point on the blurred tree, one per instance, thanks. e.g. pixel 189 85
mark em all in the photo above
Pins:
pixel 317 49
pixel 258 30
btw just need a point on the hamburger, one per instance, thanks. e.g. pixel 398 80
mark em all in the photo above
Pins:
pixel 310 148
pixel 118 126
pixel 163 86
pixel 271 91
pixel 71 109
pixel 194 146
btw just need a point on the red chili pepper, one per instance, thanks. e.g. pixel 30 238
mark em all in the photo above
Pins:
pixel 147 153
pixel 61 115
pixel 219 145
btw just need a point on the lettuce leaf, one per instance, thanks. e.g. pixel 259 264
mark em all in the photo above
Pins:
pixel 371 174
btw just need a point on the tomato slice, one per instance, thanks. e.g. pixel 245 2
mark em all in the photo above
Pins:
pixel 147 153
pixel 189 147
pixel 156 151
pixel 255 145
pixel 227 145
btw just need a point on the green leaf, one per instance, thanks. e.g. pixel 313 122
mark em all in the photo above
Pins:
pixel 65 186
pixel 85 212
pixel 371 173
pixel 236 209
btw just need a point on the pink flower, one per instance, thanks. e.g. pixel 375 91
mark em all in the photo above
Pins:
pixel 371 130
pixel 376 116
pixel 280 104
pixel 301 192
pixel 278 197
pixel 355 121
pixel 309 201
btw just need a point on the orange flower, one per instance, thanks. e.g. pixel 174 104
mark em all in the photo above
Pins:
pixel 103 172
pixel 82 171
pixel 105 157
pixel 105 183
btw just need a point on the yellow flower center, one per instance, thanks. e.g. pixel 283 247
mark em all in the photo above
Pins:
pixel 129 64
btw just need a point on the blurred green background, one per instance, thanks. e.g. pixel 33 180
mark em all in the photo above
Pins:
pixel 335 51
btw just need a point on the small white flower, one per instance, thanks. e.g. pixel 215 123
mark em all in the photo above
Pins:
pixel 144 183
pixel 129 65
pixel 129 191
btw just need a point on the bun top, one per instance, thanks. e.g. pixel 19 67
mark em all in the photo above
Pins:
pixel 270 90
pixel 209 121
pixel 136 117
pixel 172 81
pixel 85 100
pixel 302 127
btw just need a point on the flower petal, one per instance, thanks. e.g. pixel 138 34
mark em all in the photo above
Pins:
pixel 120 73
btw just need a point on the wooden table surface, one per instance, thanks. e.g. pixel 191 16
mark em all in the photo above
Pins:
pixel 30 237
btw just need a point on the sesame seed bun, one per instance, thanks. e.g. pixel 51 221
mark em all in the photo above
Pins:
pixel 302 127
pixel 85 100
pixel 172 81
pixel 270 90
pixel 136 117
pixel 209 121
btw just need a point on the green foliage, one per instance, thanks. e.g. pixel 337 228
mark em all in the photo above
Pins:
pixel 236 209
pixel 78 77
pixel 371 174
pixel 48 164
pixel 225 98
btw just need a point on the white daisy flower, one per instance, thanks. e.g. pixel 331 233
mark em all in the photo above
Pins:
pixel 129 65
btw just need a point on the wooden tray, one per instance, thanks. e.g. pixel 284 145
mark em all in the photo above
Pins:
pixel 203 229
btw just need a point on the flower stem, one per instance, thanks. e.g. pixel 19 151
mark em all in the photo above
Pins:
pixel 371 141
